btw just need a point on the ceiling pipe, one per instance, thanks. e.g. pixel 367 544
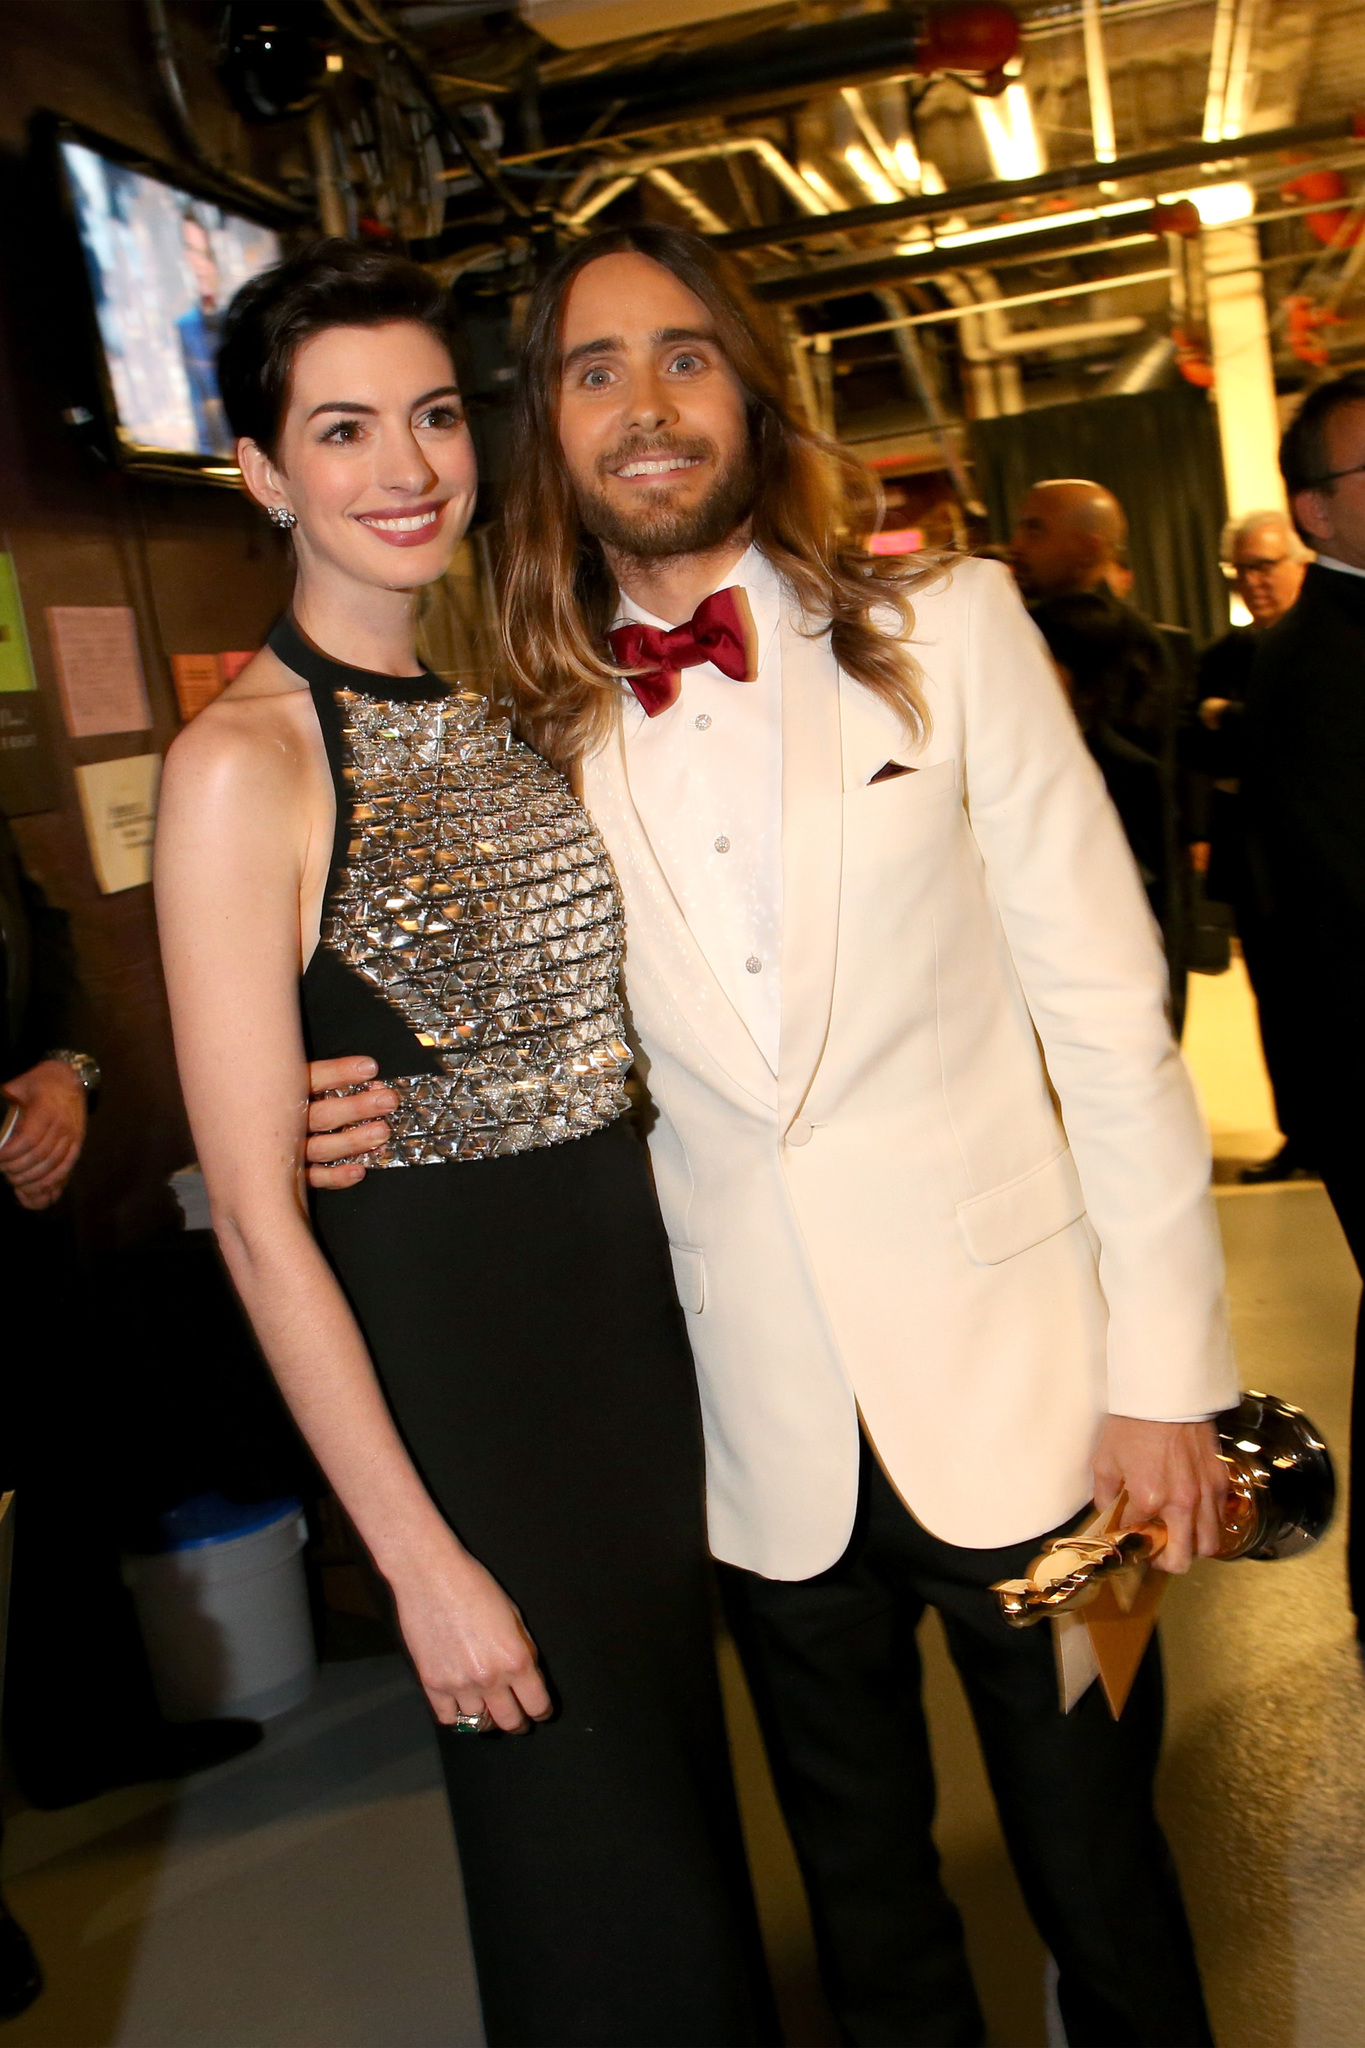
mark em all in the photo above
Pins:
pixel 840 280
pixel 1146 365
pixel 921 384
pixel 622 172
pixel 1069 178
pixel 1020 341
pixel 952 313
pixel 764 70
pixel 685 199
pixel 982 389
pixel 1097 80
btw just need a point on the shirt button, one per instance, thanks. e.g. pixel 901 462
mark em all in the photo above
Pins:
pixel 702 720
pixel 753 965
pixel 722 844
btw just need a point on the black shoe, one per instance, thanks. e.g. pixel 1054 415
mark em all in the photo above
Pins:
pixel 1285 1165
pixel 21 1977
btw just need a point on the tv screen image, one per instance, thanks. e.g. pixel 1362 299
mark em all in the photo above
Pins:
pixel 163 266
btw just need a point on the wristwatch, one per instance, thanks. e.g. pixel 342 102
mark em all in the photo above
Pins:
pixel 82 1065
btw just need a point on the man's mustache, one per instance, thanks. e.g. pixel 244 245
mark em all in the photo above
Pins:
pixel 639 449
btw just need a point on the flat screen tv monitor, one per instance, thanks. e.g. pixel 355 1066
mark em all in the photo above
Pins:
pixel 162 263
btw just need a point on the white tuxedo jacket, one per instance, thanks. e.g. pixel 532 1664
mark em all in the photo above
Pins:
pixel 973 1204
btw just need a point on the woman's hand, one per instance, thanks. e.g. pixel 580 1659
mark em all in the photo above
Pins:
pixel 468 1642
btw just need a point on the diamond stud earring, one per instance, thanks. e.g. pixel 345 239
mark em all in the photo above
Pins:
pixel 281 516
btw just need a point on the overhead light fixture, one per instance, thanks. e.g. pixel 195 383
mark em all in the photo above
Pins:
pixel 820 184
pixel 1011 138
pixel 870 175
pixel 1040 223
pixel 1217 205
pixel 908 163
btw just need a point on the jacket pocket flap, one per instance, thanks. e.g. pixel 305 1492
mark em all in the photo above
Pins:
pixel 689 1276
pixel 1023 1212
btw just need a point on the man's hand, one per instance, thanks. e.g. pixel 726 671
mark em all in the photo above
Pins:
pixel 342 1125
pixel 46 1142
pixel 1211 712
pixel 1171 1470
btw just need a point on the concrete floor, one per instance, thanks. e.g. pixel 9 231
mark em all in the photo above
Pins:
pixel 307 1895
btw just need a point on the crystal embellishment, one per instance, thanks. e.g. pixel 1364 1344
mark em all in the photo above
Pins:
pixel 479 900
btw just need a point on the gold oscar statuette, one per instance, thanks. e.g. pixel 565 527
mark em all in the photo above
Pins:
pixel 1281 1496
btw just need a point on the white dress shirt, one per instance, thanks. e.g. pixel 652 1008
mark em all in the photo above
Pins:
pixel 706 779
pixel 1345 568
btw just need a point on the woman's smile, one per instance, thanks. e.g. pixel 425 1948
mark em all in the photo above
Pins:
pixel 406 529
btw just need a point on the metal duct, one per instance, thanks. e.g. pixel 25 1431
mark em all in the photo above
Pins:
pixel 1143 368
pixel 841 278
pixel 1071 177
pixel 765 70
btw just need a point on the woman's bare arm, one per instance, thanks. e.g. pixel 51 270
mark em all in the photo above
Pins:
pixel 244 813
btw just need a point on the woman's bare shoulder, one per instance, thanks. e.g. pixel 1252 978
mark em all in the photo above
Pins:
pixel 263 726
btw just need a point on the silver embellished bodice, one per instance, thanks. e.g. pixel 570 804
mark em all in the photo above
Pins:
pixel 476 896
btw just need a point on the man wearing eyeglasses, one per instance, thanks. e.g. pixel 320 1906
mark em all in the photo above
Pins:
pixel 1304 793
pixel 1265 561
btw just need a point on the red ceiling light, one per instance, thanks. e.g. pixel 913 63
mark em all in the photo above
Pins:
pixel 980 36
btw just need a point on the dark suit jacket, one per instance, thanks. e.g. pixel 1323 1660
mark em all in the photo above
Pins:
pixel 1214 758
pixel 37 967
pixel 1303 791
pixel 1127 680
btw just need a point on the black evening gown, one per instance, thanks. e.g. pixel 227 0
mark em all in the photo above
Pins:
pixel 512 1280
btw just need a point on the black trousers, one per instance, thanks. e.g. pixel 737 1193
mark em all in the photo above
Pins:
pixel 78 1699
pixel 834 1667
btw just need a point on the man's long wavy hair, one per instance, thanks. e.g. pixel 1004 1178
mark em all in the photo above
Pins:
pixel 815 508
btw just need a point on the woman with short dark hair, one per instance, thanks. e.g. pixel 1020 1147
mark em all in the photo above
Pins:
pixel 481 1345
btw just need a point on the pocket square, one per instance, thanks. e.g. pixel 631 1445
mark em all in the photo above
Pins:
pixel 888 770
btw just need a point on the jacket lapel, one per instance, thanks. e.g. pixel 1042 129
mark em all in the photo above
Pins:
pixel 659 942
pixel 812 856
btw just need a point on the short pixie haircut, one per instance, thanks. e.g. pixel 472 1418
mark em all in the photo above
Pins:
pixel 331 283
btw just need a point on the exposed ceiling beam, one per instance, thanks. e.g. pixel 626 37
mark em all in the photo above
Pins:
pixel 842 279
pixel 1069 178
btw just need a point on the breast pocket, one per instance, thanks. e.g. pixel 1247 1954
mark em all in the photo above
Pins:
pixel 897 825
pixel 904 797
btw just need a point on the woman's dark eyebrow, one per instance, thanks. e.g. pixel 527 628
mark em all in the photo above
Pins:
pixel 341 405
pixel 347 405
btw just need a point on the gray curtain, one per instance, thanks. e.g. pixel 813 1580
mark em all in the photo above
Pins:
pixel 1157 451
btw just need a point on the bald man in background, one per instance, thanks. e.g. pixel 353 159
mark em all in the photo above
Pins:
pixel 1069 536
pixel 1124 677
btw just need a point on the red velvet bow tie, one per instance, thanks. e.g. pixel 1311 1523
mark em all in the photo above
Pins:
pixel 720 630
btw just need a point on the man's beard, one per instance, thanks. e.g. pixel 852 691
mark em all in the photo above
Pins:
pixel 661 528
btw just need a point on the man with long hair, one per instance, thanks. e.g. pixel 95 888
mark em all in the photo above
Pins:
pixel 931 1167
